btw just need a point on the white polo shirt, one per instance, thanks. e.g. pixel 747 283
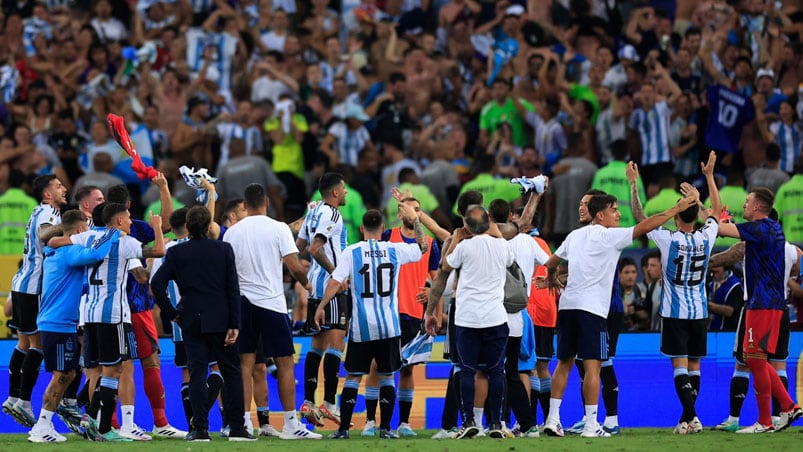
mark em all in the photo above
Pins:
pixel 482 261
pixel 259 244
pixel 593 252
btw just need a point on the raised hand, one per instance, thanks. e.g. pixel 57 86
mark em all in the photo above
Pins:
pixel 708 167
pixel 687 189
pixel 155 221
pixel 631 172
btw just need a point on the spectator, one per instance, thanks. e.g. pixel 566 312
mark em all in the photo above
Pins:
pixel 683 140
pixel 612 180
pixel 788 202
pixel 366 178
pixel 667 196
pixel 149 139
pixel 242 170
pixel 732 195
pixel 408 180
pixel 631 292
pixel 503 109
pixel 488 185
pixel 394 161
pixel 644 315
pixel 724 299
pixel 346 139
pixel 101 174
pixel 770 175
pixel 441 177
pixel 786 132
pixel 573 177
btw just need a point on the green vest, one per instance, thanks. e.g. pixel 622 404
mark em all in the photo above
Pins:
pixel 789 204
pixel 491 188
pixel 425 198
pixel 734 198
pixel 612 180
pixel 15 210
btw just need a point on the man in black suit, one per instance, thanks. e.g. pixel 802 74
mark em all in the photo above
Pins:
pixel 209 315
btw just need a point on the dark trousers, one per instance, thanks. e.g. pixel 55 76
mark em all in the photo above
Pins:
pixel 203 348
pixel 516 397
pixel 482 346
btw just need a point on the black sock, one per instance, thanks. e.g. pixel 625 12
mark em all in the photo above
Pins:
pixel 15 372
pixel 331 375
pixel 371 401
pixel 83 394
pixel 610 390
pixel 72 390
pixel 311 365
pixel 387 401
pixel 686 395
pixel 405 398
pixel 214 383
pixel 185 402
pixel 738 392
pixel 534 398
pixel 694 379
pixel 108 402
pixel 263 417
pixel 450 402
pixel 94 404
pixel 30 372
pixel 776 407
pixel 348 398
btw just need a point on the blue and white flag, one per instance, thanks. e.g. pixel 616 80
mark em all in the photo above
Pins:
pixel 417 350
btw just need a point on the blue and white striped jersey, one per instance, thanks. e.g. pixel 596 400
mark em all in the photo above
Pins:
pixel 349 143
pixel 684 257
pixel 107 299
pixel 28 278
pixel 653 129
pixel 226 45
pixel 228 131
pixel 788 137
pixel 372 268
pixel 172 288
pixel 326 221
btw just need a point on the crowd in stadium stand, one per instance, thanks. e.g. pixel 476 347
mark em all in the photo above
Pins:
pixel 432 95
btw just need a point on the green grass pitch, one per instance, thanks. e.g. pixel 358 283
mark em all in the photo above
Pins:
pixel 631 439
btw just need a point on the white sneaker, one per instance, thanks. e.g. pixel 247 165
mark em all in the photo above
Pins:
pixel 45 435
pixel 695 426
pixel 248 424
pixel 681 429
pixel 269 430
pixel 23 413
pixel 168 431
pixel 594 431
pixel 298 432
pixel 369 429
pixel 756 428
pixel 553 428
pixel 133 432
pixel 446 434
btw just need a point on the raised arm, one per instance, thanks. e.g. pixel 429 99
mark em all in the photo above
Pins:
pixel 656 220
pixel 167 200
pixel 713 191
pixel 631 171
pixel 420 237
pixel 158 248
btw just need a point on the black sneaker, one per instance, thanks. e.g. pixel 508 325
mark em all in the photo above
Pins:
pixel 467 431
pixel 198 436
pixel 495 431
pixel 340 434
pixel 241 435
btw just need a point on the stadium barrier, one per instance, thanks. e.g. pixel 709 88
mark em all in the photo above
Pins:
pixel 646 392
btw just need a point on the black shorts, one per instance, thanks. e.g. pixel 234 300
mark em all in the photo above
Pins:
pixel 410 328
pixel 450 346
pixel 272 329
pixel 615 321
pixel 26 308
pixel 336 314
pixel 62 351
pixel 684 338
pixel 582 334
pixel 180 355
pixel 108 344
pixel 544 343
pixel 386 352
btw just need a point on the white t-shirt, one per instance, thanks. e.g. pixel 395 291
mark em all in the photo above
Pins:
pixel 527 254
pixel 482 261
pixel 593 252
pixel 259 244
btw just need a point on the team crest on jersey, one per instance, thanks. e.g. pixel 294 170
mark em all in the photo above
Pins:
pixel 330 227
pixel 69 345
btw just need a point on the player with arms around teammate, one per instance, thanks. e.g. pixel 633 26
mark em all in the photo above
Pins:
pixel 684 304
pixel 323 235
pixel 62 283
pixel 372 269
pixel 593 252
pixel 108 335
pixel 23 367
pixel 764 306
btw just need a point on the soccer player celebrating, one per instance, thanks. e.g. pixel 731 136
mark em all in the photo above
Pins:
pixel 372 269
pixel 592 252
pixel 23 367
pixel 766 301
pixel 63 275
pixel 684 305
pixel 324 237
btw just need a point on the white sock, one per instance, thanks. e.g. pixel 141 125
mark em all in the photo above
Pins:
pixel 45 418
pixel 591 416
pixel 554 409
pixel 611 421
pixel 290 421
pixel 478 412
pixel 733 419
pixel 128 416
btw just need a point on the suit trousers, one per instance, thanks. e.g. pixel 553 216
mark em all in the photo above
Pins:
pixel 203 348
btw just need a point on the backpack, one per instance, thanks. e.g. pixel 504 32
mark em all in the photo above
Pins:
pixel 516 296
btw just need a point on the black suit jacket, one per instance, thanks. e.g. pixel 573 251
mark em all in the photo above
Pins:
pixel 206 276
